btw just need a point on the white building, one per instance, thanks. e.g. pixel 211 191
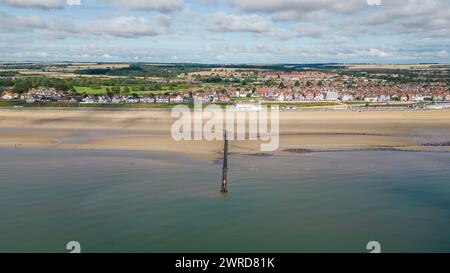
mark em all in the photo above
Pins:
pixel 176 99
pixel 241 94
pixel 370 99
pixel 88 100
pixel 281 97
pixel 385 98
pixel 248 106
pixel 309 96
pixel 418 98
pixel 347 97
pixel 319 97
pixel 9 96
pixel 404 98
pixel 331 95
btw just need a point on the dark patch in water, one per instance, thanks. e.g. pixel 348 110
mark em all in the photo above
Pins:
pixel 443 144
pixel 380 149
pixel 425 194
pixel 335 134
pixel 300 151
pixel 261 155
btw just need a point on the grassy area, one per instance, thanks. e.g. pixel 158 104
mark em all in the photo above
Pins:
pixel 391 104
pixel 355 102
pixel 169 105
pixel 103 90
pixel 181 87
pixel 89 90
pixel 97 105
pixel 153 92
pixel 302 104
pixel 379 103
pixel 90 105
pixel 11 103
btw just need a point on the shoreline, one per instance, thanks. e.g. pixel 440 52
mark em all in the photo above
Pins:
pixel 218 156
pixel 149 131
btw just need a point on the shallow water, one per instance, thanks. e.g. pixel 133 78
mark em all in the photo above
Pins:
pixel 149 202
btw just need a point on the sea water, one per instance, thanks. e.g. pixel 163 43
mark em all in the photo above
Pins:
pixel 152 202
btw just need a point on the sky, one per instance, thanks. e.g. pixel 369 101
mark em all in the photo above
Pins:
pixel 226 31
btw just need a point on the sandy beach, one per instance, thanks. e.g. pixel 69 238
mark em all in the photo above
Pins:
pixel 300 132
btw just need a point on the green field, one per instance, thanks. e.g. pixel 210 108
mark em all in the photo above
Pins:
pixel 97 105
pixel 302 104
pixel 82 105
pixel 89 90
pixel 103 90
pixel 145 105
pixel 355 102
pixel 11 103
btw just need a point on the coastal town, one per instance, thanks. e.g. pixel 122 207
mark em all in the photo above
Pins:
pixel 227 86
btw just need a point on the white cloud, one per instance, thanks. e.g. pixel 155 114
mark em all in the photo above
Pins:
pixel 238 23
pixel 216 37
pixel 165 6
pixel 374 2
pixel 41 4
pixel 298 9
pixel 373 52
pixel 124 26
pixel 107 56
pixel 442 53
pixel 299 31
pixel 429 18
pixel 15 24
pixel 74 2
pixel 412 30
pixel 131 27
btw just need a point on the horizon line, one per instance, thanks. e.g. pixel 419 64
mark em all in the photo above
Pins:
pixel 225 64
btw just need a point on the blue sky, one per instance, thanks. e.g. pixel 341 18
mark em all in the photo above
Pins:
pixel 226 31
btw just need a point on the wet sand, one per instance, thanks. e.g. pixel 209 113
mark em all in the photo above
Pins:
pixel 299 131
